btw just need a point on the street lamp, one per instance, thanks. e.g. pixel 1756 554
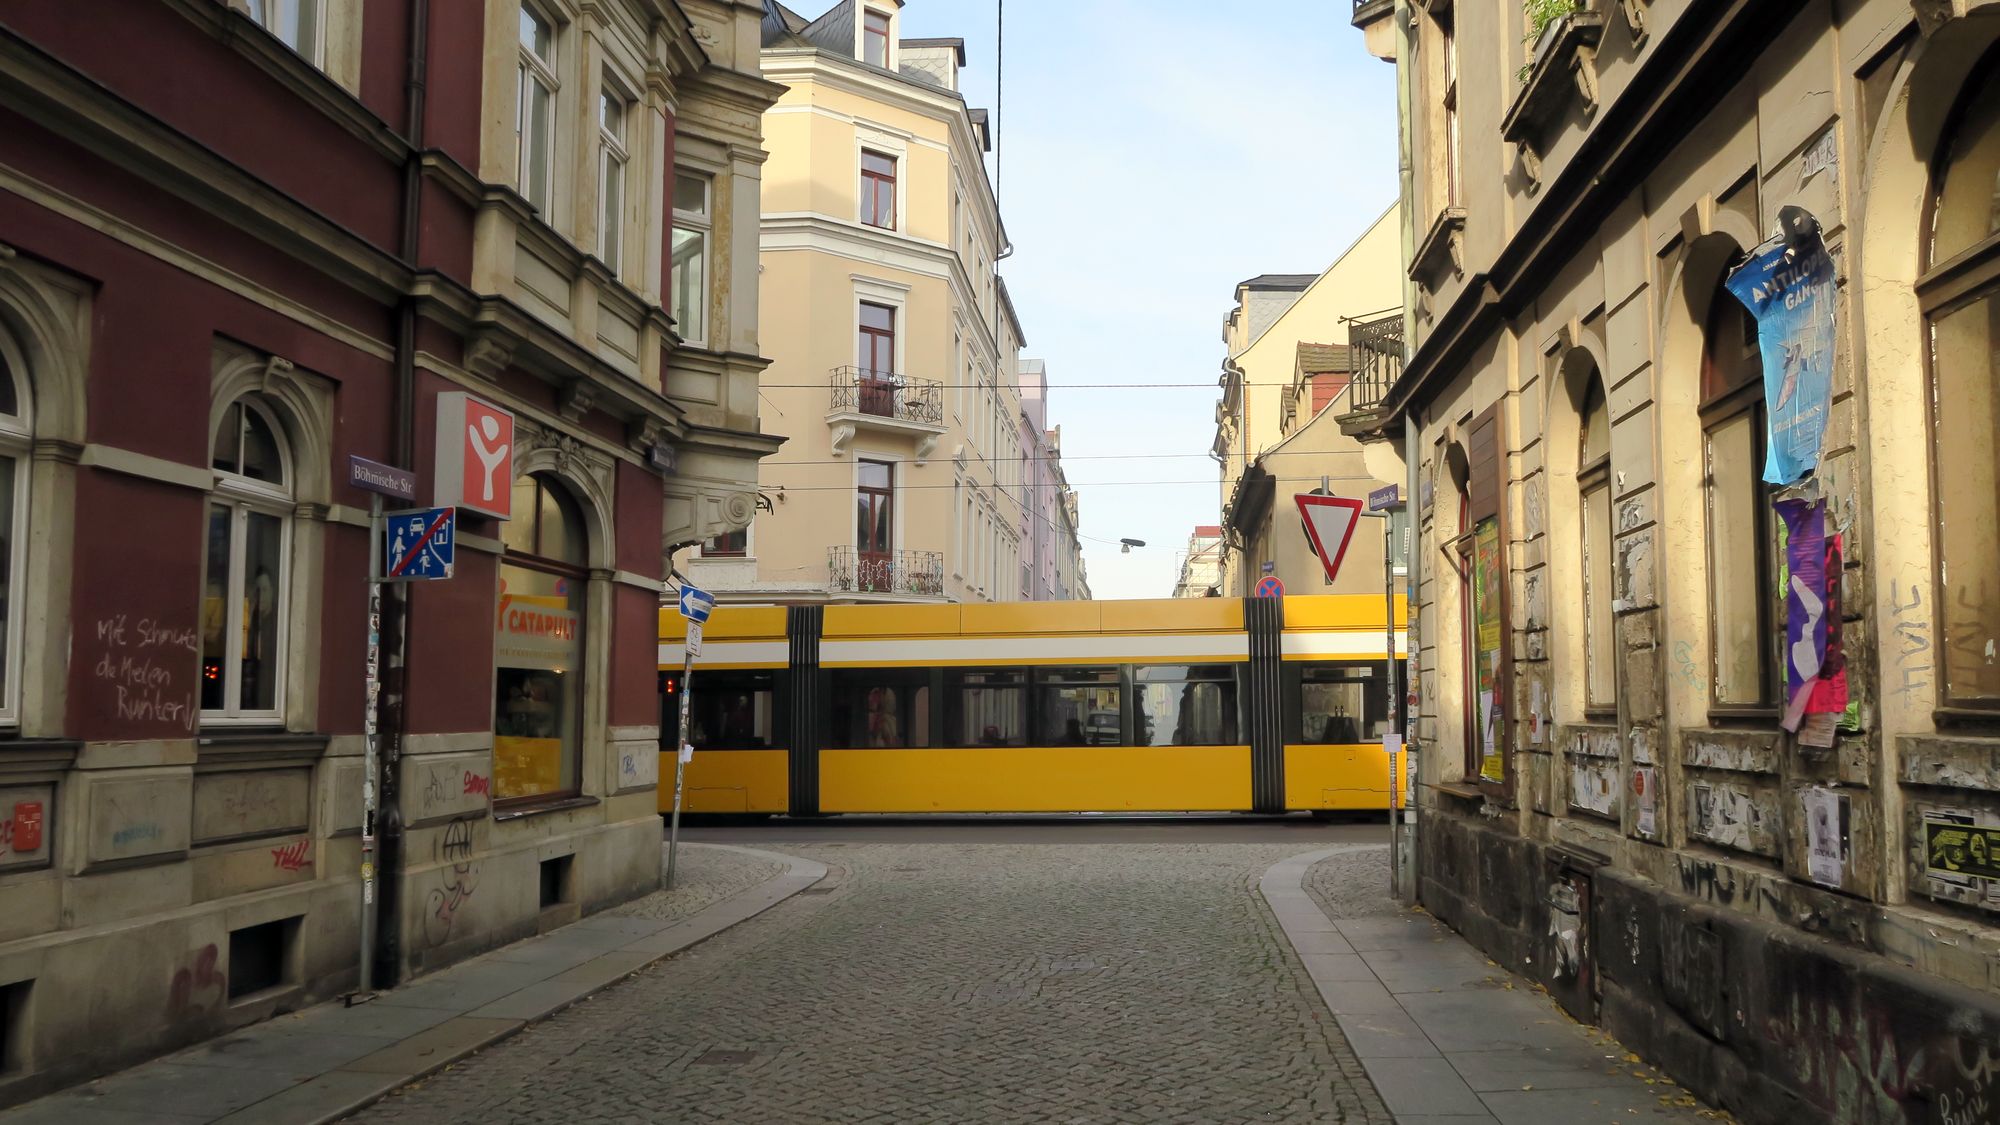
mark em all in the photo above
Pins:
pixel 1125 545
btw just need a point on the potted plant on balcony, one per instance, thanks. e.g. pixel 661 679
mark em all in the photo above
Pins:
pixel 1544 22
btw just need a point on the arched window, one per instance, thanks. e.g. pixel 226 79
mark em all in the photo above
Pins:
pixel 15 432
pixel 1960 296
pixel 1593 483
pixel 538 645
pixel 1744 630
pixel 244 578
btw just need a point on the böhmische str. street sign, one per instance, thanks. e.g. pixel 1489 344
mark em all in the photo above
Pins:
pixel 397 484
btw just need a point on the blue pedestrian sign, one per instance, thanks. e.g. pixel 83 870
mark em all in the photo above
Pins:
pixel 696 604
pixel 420 544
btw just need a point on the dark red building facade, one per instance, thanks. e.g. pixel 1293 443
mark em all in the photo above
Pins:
pixel 241 242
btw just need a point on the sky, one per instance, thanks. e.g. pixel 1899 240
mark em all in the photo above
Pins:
pixel 1152 154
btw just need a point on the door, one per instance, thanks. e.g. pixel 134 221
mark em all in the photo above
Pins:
pixel 874 526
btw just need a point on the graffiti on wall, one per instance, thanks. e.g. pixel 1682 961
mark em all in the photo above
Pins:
pixel 458 879
pixel 149 669
pixel 198 987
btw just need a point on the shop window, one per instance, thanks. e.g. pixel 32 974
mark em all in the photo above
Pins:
pixel 1960 296
pixel 539 646
pixel 987 707
pixel 243 575
pixel 1186 705
pixel 1593 482
pixel 880 708
pixel 693 220
pixel 15 435
pixel 1078 707
pixel 1746 609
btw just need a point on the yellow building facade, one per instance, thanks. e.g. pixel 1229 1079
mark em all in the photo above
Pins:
pixel 895 375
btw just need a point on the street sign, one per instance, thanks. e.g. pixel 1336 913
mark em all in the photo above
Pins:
pixel 1330 524
pixel 696 604
pixel 1384 498
pixel 475 456
pixel 693 644
pixel 1269 586
pixel 397 484
pixel 420 544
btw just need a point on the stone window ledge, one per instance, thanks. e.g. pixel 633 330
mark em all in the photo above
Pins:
pixel 1563 66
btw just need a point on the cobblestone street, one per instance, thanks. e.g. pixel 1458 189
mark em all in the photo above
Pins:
pixel 1078 981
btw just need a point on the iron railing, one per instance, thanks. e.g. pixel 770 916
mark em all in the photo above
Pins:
pixel 916 573
pixel 1376 347
pixel 1366 10
pixel 857 390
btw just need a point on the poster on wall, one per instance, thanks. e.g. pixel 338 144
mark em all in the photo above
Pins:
pixel 1788 287
pixel 1960 852
pixel 1486 577
pixel 1826 813
pixel 1815 665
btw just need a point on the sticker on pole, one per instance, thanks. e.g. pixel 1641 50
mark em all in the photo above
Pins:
pixel 420 544
pixel 1330 524
pixel 693 642
pixel 696 604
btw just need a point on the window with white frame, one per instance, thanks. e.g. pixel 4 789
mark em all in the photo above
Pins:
pixel 299 24
pixel 535 109
pixel 693 219
pixel 243 577
pixel 16 432
pixel 613 110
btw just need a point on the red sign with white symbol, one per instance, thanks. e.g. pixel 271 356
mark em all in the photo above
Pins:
pixel 475 455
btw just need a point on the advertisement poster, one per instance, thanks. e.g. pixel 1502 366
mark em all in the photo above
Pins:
pixel 1826 835
pixel 1646 788
pixel 1958 851
pixel 1788 286
pixel 1486 578
pixel 1815 669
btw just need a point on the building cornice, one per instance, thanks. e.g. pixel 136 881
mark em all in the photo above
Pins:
pixel 1692 66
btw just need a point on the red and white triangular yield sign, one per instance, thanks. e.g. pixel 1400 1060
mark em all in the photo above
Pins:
pixel 1330 524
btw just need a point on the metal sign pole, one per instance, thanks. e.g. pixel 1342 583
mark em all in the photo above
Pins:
pixel 369 797
pixel 1395 699
pixel 681 753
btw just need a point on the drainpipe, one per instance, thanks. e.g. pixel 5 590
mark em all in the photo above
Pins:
pixel 1406 879
pixel 396 606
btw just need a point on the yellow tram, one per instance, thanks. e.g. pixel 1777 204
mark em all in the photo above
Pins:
pixel 1180 705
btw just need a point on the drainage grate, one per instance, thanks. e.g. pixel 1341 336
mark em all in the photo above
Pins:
pixel 724 1058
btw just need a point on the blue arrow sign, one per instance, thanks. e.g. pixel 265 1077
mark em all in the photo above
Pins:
pixel 696 604
pixel 420 544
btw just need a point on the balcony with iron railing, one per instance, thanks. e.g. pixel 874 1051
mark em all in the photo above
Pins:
pixel 881 402
pixel 1377 350
pixel 1368 11
pixel 891 574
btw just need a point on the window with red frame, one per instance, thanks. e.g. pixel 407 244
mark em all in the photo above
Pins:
pixel 878 190
pixel 875 39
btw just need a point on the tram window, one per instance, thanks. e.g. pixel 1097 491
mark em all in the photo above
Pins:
pixel 731 710
pixel 1078 707
pixel 1340 704
pixel 987 707
pixel 1187 705
pixel 880 708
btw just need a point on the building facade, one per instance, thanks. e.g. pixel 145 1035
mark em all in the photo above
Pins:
pixel 1201 564
pixel 238 245
pixel 1706 693
pixel 1052 559
pixel 904 475
pixel 1288 362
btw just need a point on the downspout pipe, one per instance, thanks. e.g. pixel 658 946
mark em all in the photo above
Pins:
pixel 1409 856
pixel 396 606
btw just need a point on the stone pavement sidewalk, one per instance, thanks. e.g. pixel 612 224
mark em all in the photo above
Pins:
pixel 1449 1038
pixel 326 1062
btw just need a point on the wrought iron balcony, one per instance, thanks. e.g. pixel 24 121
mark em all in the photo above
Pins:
pixel 1376 347
pixel 880 394
pixel 1368 11
pixel 909 573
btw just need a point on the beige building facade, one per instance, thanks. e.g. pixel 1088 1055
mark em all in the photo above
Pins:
pixel 1795 923
pixel 1284 384
pixel 897 377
